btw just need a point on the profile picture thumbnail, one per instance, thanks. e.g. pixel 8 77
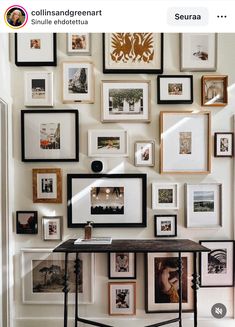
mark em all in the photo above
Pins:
pixel 16 16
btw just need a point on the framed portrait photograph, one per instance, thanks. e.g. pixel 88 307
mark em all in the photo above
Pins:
pixel 175 89
pixel 109 200
pixel 47 185
pixel 165 196
pixel 133 53
pixel 198 52
pixel 26 222
pixel 79 44
pixel 78 82
pixel 185 142
pixel 35 49
pixel 223 144
pixel 145 153
pixel 217 266
pixel 42 277
pixel 203 205
pixel 52 228
pixel 107 143
pixel 122 298
pixel 162 282
pixel 214 90
pixel 122 265
pixel 38 89
pixel 165 225
pixel 125 101
pixel 48 135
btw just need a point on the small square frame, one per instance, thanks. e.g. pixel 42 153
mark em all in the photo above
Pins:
pixel 214 90
pixel 144 153
pixel 170 199
pixel 122 298
pixel 221 149
pixel 26 222
pixel 122 265
pixel 170 225
pixel 82 46
pixel 52 228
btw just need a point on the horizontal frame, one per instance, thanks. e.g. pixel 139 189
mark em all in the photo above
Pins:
pixel 126 265
pixel 52 227
pixel 213 91
pixel 158 223
pixel 222 154
pixel 127 307
pixel 169 204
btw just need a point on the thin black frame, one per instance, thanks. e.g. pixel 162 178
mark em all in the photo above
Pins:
pixel 200 262
pixel 160 101
pixel 124 277
pixel 215 144
pixel 155 225
pixel 21 231
pixel 133 71
pixel 68 111
pixel 143 177
pixel 37 63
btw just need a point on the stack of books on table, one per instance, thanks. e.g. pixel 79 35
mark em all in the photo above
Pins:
pixel 94 240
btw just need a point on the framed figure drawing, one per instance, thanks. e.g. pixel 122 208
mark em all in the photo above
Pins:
pixel 144 153
pixel 26 222
pixel 223 145
pixel 122 265
pixel 214 90
pixel 122 298
pixel 79 44
pixel 165 196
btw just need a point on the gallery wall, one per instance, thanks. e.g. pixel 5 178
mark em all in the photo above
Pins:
pixel 222 172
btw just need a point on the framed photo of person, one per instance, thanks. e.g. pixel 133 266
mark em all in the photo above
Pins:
pixel 144 153
pixel 214 90
pixel 217 266
pixel 26 222
pixel 165 225
pixel 122 298
pixel 52 228
pixel 122 265
pixel 223 145
pixel 79 44
pixel 165 196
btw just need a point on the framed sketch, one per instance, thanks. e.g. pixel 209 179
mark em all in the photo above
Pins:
pixel 162 287
pixel 144 153
pixel 122 298
pixel 48 135
pixel 78 82
pixel 107 143
pixel 35 49
pixel 223 144
pixel 26 222
pixel 203 205
pixel 217 266
pixel 174 89
pixel 38 89
pixel 165 225
pixel 133 53
pixel 165 196
pixel 42 277
pixel 79 44
pixel 47 185
pixel 52 228
pixel 109 200
pixel 125 101
pixel 185 142
pixel 214 90
pixel 198 52
pixel 122 265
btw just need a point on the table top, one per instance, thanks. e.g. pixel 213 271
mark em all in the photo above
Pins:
pixel 133 245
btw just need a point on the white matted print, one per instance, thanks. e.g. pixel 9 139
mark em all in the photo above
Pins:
pixel 52 228
pixel 165 225
pixel 122 298
pixel 79 44
pixel 144 153
pixel 122 265
pixel 224 144
pixel 165 196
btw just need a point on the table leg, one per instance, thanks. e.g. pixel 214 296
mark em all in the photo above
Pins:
pixel 77 271
pixel 195 287
pixel 66 290
pixel 180 289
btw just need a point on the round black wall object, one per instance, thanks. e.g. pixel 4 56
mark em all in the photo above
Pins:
pixel 97 166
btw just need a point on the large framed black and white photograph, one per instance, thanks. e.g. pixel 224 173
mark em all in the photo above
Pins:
pixel 217 266
pixel 122 265
pixel 109 200
pixel 48 135
pixel 35 49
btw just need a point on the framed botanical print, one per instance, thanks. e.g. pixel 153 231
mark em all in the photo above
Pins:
pixel 214 90
pixel 38 89
pixel 144 153
pixel 165 196
pixel 79 44
pixel 52 228
pixel 133 53
pixel 35 49
pixel 122 298
pixel 26 222
pixel 165 225
pixel 223 145
pixel 217 266
pixel 122 265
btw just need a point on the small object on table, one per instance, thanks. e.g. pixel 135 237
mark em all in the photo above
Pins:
pixel 88 230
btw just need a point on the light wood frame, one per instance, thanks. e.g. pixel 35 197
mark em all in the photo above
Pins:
pixel 224 79
pixel 150 164
pixel 110 298
pixel 46 219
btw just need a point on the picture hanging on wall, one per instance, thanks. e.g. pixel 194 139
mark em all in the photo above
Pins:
pixel 165 196
pixel 122 298
pixel 79 44
pixel 144 153
pixel 223 145
pixel 52 228
pixel 122 265
pixel 26 222
pixel 165 225
pixel 214 90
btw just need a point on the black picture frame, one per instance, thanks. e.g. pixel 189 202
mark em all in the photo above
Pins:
pixel 19 63
pixel 216 137
pixel 25 157
pixel 119 70
pixel 161 100
pixel 158 233
pixel 131 274
pixel 28 223
pixel 124 210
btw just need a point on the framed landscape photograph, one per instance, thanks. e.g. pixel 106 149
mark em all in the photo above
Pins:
pixel 52 228
pixel 198 52
pixel 42 277
pixel 165 196
pixel 223 145
pixel 107 143
pixel 38 89
pixel 162 282
pixel 165 225
pixel 214 90
pixel 175 89
pixel 78 82
pixel 203 205
pixel 217 266
pixel 185 142
pixel 48 135
pixel 35 49
pixel 125 101
pixel 26 222
pixel 122 265
pixel 79 44
pixel 144 153
pixel 122 298
pixel 109 200
pixel 47 185
pixel 133 53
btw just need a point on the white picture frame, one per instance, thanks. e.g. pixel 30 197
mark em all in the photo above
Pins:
pixel 122 298
pixel 145 153
pixel 52 228
pixel 165 196
pixel 79 44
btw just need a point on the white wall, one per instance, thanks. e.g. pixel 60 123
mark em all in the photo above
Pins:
pixel 222 172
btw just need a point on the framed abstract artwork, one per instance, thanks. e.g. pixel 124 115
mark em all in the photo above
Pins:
pixel 122 298
pixel 122 265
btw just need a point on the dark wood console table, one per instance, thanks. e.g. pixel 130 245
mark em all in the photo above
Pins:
pixel 136 246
